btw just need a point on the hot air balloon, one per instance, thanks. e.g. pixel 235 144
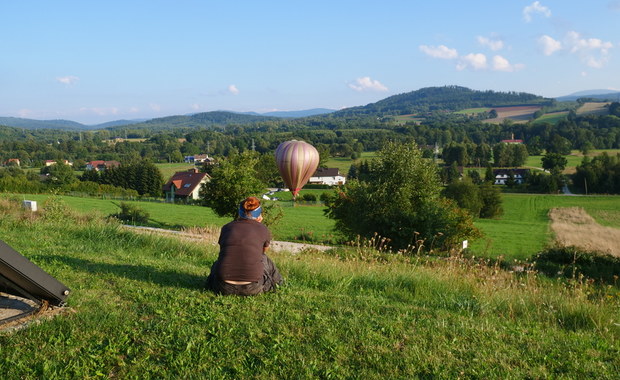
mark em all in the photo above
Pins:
pixel 297 161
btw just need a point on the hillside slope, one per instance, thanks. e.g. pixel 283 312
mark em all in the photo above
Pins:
pixel 448 98
pixel 140 311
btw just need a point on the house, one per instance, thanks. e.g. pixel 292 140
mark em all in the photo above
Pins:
pixel 503 175
pixel 185 185
pixel 327 176
pixel 99 165
pixel 13 161
pixel 53 162
pixel 512 140
pixel 198 159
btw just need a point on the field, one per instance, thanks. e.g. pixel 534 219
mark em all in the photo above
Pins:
pixel 573 160
pixel 551 117
pixel 344 163
pixel 168 170
pixel 522 231
pixel 524 228
pixel 402 119
pixel 572 226
pixel 519 114
pixel 473 111
pixel 593 108
pixel 138 310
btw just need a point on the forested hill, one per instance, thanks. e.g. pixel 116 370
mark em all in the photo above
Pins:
pixel 448 98
pixel 41 124
pixel 199 120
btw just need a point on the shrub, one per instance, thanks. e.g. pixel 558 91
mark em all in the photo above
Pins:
pixel 132 214
pixel 573 262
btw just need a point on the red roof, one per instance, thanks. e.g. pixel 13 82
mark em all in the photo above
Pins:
pixel 184 182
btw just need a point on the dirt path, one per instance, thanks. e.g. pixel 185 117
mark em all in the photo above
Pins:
pixel 211 237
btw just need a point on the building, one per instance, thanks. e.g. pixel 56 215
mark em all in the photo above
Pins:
pixel 185 185
pixel 503 175
pixel 512 140
pixel 13 161
pixel 198 159
pixel 99 165
pixel 53 162
pixel 327 176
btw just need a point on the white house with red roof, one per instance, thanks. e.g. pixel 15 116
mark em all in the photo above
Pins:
pixel 185 185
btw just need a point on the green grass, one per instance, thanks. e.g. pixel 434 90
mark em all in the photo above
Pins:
pixel 168 170
pixel 552 118
pixel 523 230
pixel 344 163
pixel 469 111
pixel 141 312
pixel 573 160
pixel 299 223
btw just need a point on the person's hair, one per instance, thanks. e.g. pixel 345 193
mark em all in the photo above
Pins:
pixel 250 203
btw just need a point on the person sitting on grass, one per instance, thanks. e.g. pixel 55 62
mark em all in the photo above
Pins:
pixel 242 266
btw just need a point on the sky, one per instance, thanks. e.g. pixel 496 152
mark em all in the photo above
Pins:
pixel 96 61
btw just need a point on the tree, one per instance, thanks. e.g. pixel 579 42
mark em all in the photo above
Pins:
pixel 231 181
pixel 491 198
pixel 400 200
pixel 59 174
pixel 554 163
pixel 466 194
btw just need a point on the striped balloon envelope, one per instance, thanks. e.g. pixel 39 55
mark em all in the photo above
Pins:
pixel 297 161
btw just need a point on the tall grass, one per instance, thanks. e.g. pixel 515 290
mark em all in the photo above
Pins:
pixel 141 312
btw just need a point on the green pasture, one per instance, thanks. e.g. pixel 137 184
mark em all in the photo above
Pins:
pixel 138 310
pixel 470 111
pixel 522 231
pixel 344 163
pixel 552 117
pixel 168 169
pixel 299 222
pixel 573 160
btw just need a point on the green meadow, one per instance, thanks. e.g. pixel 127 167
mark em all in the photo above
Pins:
pixel 138 310
pixel 521 232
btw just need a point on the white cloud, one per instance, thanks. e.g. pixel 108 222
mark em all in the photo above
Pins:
pixel 493 44
pixel 474 61
pixel 593 52
pixel 577 43
pixel 68 80
pixel 233 89
pixel 549 45
pixel 367 84
pixel 501 64
pixel 535 7
pixel 440 51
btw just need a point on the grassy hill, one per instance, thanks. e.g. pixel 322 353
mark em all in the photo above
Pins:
pixel 139 311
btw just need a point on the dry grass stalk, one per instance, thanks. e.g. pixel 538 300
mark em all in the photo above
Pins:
pixel 572 226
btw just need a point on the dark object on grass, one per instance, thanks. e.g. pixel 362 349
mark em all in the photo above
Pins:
pixel 19 276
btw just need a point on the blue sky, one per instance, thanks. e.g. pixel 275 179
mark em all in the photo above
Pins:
pixel 96 61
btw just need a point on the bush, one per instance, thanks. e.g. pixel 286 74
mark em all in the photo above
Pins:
pixel 574 262
pixel 132 214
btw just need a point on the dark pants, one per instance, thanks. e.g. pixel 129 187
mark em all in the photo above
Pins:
pixel 271 278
